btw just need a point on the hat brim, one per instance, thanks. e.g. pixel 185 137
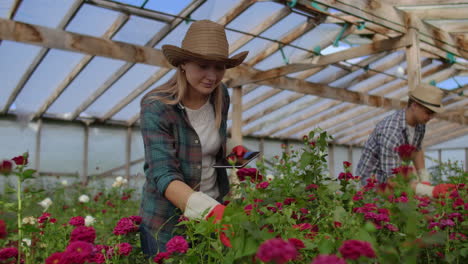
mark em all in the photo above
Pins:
pixel 176 56
pixel 436 109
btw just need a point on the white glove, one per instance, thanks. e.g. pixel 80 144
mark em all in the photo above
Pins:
pixel 198 205
pixel 424 189
pixel 424 175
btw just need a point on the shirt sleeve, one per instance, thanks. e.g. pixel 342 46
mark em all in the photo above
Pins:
pixel 389 157
pixel 159 144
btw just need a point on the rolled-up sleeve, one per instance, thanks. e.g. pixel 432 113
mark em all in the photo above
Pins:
pixel 161 166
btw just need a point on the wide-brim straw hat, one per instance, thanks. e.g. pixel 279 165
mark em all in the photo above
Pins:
pixel 428 96
pixel 205 40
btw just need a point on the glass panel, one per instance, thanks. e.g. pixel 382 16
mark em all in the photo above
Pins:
pixel 42 12
pixel 92 20
pixel 138 30
pixel 16 138
pixel 106 149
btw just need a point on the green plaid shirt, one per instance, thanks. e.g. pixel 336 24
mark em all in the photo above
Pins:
pixel 172 152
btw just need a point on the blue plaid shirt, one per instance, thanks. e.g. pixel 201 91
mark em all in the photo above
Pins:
pixel 379 156
pixel 172 152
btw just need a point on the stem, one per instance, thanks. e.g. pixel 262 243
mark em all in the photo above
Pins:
pixel 20 232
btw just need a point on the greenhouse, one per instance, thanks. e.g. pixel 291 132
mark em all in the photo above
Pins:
pixel 318 79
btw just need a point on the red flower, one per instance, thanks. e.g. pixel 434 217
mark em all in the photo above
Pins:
pixel 125 226
pixel 354 249
pixel 298 244
pixel 177 244
pixel 6 166
pixel 262 185
pixel 311 186
pixel 337 224
pixel 253 173
pixel 20 160
pixel 277 251
pixel 328 259
pixel 405 151
pixel 54 258
pixel 3 229
pixel 77 221
pixel 78 252
pixel 124 249
pixel 161 256
pixel 83 233
pixel 346 164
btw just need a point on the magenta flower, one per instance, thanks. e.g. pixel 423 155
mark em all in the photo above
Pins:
pixel 405 151
pixel 161 256
pixel 78 252
pixel 328 259
pixel 7 253
pixel 83 233
pixel 6 166
pixel 262 185
pixel 54 258
pixel 124 249
pixel 253 173
pixel 354 249
pixel 276 250
pixel 125 226
pixel 177 244
pixel 77 221
pixel 297 243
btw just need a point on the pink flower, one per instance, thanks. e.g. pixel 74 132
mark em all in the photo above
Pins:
pixel 55 258
pixel 161 256
pixel 391 227
pixel 20 160
pixel 83 233
pixel 177 244
pixel 124 249
pixel 276 250
pixel 125 226
pixel 457 236
pixel 3 229
pixel 297 243
pixel 353 249
pixel 253 173
pixel 289 201
pixel 303 226
pixel 77 221
pixel 446 222
pixel 6 166
pixel 43 218
pixel 136 219
pixel 311 186
pixel 78 252
pixel 346 164
pixel 98 258
pixel 262 185
pixel 328 259
pixel 7 253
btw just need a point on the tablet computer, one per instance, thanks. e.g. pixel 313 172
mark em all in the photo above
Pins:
pixel 248 157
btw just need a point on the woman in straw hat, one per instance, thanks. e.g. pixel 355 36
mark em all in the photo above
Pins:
pixel 183 123
pixel 406 126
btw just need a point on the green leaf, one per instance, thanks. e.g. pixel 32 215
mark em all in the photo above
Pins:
pixel 333 186
pixel 325 246
pixel 339 214
pixel 306 159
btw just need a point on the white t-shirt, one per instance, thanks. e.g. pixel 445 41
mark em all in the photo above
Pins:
pixel 203 121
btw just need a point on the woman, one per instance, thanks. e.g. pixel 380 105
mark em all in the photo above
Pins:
pixel 183 123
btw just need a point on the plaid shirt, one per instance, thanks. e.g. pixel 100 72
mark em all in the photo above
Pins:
pixel 379 156
pixel 172 152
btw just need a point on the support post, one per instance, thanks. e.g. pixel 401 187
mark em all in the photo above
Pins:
pixel 237 115
pixel 350 157
pixel 413 59
pixel 128 150
pixel 331 160
pixel 37 157
pixel 84 176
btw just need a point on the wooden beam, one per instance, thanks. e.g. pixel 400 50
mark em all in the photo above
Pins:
pixel 438 11
pixel 423 2
pixel 450 134
pixel 413 59
pixel 451 26
pixel 364 50
pixel 113 29
pixel 385 15
pixel 124 68
pixel 39 57
pixel 131 10
pixel 236 132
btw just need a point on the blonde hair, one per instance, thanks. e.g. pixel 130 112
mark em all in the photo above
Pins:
pixel 173 91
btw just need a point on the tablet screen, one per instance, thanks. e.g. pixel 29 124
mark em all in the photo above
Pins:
pixel 248 157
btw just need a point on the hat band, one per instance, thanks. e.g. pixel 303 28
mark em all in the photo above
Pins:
pixel 424 102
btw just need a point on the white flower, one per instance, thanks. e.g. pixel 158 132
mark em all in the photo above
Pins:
pixel 270 177
pixel 29 220
pixel 119 181
pixel 27 241
pixel 83 198
pixel 45 203
pixel 64 183
pixel 89 220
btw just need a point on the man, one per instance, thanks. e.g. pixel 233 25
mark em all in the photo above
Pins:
pixel 406 126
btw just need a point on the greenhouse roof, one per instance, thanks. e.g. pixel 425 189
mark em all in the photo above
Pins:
pixel 338 65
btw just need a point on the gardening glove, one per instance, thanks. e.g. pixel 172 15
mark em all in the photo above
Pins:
pixel 424 175
pixel 437 191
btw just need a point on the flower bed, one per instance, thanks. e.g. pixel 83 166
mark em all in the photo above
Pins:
pixel 299 216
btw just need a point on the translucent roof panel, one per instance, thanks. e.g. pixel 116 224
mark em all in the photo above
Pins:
pixel 174 37
pixel 254 47
pixel 91 20
pixel 137 75
pixel 133 108
pixel 15 59
pixel 277 59
pixel 56 65
pixel 138 30
pixel 5 7
pixel 453 83
pixel 255 14
pixel 284 26
pixel 167 6
pixel 325 74
pixel 272 101
pixel 84 85
pixel 42 12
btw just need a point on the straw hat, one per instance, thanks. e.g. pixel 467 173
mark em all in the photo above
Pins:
pixel 428 96
pixel 204 41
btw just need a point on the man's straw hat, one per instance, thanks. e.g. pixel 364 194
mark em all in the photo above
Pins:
pixel 428 96
pixel 204 41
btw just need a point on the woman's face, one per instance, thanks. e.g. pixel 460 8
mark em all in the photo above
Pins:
pixel 203 77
